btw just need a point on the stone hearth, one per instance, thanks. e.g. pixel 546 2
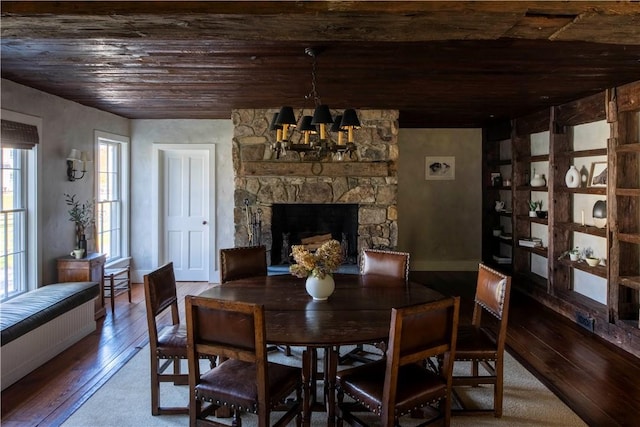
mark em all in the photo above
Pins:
pixel 368 180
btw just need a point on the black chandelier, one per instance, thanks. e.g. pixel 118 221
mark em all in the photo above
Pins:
pixel 315 143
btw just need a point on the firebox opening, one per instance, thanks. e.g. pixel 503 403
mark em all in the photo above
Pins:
pixel 292 222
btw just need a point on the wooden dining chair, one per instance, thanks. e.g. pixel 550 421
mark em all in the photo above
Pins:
pixel 401 383
pixel 381 264
pixel 482 342
pixel 242 262
pixel 245 381
pixel 168 342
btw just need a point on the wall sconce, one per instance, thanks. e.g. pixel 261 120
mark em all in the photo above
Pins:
pixel 77 156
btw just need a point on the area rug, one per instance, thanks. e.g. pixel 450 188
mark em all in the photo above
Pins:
pixel 124 400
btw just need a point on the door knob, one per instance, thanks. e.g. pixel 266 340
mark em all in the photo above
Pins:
pixel 204 222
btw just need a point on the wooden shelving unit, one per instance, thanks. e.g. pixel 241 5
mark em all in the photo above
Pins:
pixel 618 318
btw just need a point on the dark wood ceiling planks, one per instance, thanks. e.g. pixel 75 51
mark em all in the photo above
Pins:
pixel 440 63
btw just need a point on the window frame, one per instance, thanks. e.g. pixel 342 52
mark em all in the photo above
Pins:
pixel 123 189
pixel 31 187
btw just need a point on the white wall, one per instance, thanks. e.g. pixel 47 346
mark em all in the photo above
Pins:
pixel 439 222
pixel 146 133
pixel 65 125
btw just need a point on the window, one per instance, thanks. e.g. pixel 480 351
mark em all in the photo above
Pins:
pixel 111 204
pixel 13 223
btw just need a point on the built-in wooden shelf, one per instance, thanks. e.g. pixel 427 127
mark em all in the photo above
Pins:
pixel 584 190
pixel 542 251
pixel 587 153
pixel 530 188
pixel 631 192
pixel 535 219
pixel 633 147
pixel 628 237
pixel 303 168
pixel 586 229
pixel 598 270
pixel 632 282
pixel 536 158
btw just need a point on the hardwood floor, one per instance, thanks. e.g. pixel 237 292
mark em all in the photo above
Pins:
pixel 598 381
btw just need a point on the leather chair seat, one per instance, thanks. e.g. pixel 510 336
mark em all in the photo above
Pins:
pixel 475 343
pixel 415 386
pixel 172 342
pixel 223 382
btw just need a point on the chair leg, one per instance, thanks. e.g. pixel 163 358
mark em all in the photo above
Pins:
pixel 155 387
pixel 499 387
pixel 129 283
pixel 111 290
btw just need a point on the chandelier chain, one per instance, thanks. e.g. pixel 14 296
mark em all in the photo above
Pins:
pixel 314 93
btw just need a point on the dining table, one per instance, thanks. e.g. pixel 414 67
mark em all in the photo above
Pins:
pixel 358 312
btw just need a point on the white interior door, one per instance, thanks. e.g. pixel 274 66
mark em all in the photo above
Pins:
pixel 186 212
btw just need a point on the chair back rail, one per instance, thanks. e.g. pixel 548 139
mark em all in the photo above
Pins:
pixel 242 262
pixel 385 263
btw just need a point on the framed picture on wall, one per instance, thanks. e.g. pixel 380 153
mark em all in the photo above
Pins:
pixel 598 174
pixel 440 168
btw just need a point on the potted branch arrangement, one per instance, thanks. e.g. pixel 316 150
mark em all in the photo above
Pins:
pixel 81 214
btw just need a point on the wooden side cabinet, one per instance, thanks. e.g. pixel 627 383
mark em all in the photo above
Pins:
pixel 89 269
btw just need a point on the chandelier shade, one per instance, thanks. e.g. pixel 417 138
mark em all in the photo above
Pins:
pixel 311 125
pixel 322 115
pixel 350 122
pixel 287 120
pixel 286 117
pixel 275 126
pixel 306 124
pixel 349 119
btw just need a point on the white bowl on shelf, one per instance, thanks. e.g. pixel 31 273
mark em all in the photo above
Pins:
pixel 592 261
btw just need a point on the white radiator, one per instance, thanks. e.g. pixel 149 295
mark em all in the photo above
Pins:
pixel 23 355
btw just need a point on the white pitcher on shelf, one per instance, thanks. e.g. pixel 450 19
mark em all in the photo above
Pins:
pixel 538 180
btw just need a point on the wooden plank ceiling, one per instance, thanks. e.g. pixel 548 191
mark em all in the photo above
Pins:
pixel 442 64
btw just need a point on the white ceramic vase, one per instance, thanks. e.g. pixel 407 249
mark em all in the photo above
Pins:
pixel 572 177
pixel 538 181
pixel 320 289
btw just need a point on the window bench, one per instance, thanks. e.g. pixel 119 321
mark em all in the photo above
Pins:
pixel 38 325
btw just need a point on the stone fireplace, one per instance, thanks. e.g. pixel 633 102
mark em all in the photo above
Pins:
pixel 368 180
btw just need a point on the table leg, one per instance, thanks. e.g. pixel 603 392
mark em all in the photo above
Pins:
pixel 307 385
pixel 330 370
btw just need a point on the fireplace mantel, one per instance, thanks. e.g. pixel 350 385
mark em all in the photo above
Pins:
pixel 284 168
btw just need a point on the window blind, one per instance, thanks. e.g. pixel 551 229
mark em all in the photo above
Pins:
pixel 18 135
